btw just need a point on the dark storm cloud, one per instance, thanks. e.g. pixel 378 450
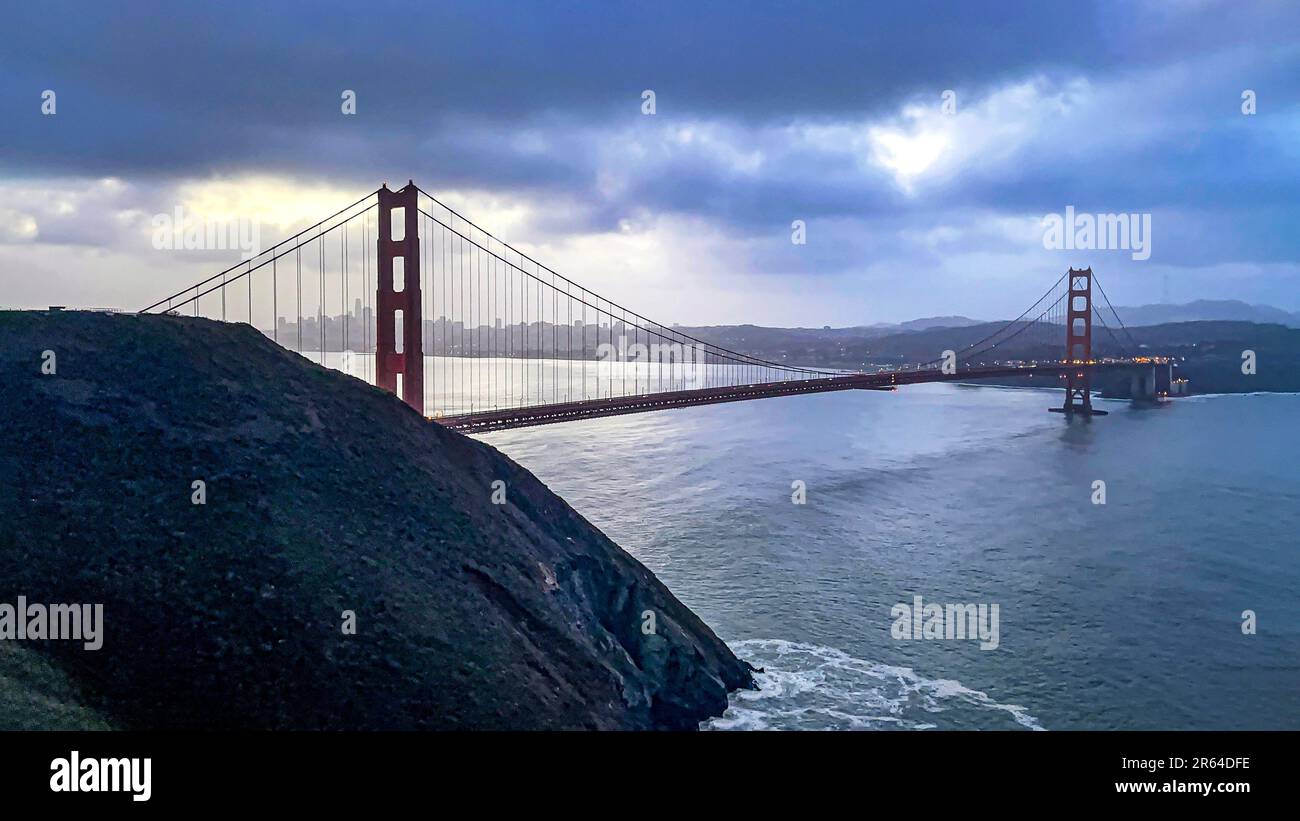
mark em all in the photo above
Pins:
pixel 159 88
pixel 543 101
pixel 238 62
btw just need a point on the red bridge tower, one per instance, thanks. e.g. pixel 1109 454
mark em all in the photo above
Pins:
pixel 399 359
pixel 1078 345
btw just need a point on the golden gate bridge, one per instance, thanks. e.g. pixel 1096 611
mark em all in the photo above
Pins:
pixel 516 344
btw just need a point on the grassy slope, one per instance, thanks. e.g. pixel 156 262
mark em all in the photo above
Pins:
pixel 36 695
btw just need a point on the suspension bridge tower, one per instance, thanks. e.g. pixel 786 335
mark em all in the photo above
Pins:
pixel 1078 345
pixel 399 360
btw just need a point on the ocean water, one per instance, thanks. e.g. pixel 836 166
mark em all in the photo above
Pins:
pixel 1126 614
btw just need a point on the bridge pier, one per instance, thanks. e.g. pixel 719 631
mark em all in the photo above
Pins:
pixel 1142 385
pixel 1150 385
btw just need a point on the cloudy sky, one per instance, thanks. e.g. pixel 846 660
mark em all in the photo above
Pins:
pixel 529 118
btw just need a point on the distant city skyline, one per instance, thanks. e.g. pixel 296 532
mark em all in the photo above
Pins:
pixel 445 335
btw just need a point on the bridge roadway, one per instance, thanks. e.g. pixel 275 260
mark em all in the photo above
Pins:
pixel 505 418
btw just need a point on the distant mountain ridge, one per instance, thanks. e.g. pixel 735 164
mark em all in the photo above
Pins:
pixel 1208 352
pixel 926 323
pixel 1207 310
pixel 1206 337
pixel 1201 310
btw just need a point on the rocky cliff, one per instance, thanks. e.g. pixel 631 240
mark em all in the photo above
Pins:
pixel 346 569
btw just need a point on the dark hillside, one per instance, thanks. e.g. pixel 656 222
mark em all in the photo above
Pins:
pixel 323 495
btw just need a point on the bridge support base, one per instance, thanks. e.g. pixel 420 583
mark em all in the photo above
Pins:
pixel 1087 410
pixel 1150 387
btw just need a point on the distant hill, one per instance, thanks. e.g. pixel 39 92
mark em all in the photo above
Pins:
pixel 755 337
pixel 1208 351
pixel 1207 310
pixel 926 323
pixel 885 343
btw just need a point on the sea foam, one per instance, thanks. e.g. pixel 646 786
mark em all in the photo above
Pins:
pixel 809 686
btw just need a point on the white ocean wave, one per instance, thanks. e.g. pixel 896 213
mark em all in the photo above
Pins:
pixel 808 686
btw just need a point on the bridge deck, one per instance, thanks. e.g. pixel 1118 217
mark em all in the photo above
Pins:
pixel 505 418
